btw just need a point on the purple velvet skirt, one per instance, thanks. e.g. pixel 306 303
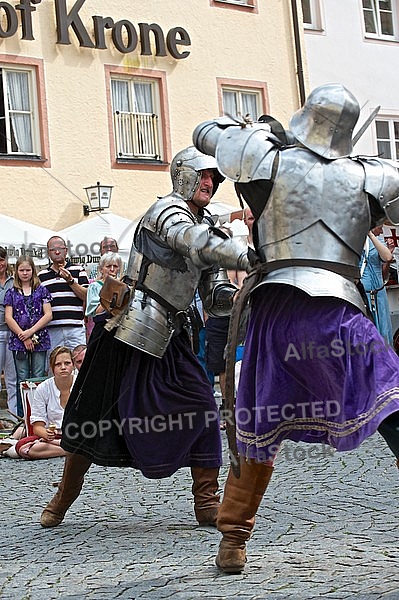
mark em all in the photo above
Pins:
pixel 314 370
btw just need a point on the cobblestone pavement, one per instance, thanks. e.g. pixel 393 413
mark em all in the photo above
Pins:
pixel 327 528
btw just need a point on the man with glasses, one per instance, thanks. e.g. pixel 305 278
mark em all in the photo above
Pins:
pixel 67 284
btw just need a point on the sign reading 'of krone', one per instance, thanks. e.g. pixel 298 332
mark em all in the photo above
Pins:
pixel 123 33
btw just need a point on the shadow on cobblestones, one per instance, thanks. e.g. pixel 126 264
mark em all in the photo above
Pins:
pixel 327 528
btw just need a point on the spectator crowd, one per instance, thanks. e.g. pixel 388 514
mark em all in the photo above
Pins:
pixel 47 319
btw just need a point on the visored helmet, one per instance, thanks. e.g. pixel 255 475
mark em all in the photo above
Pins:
pixel 326 121
pixel 185 171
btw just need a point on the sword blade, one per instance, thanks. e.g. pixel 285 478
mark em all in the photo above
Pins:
pixel 365 125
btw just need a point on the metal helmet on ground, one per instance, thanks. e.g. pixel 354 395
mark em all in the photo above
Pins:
pixel 326 121
pixel 185 171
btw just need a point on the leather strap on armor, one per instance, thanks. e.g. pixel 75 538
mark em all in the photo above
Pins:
pixel 240 302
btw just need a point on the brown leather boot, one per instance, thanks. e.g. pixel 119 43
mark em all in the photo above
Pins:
pixel 236 518
pixel 206 500
pixel 69 488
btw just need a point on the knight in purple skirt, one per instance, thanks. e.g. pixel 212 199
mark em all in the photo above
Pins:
pixel 141 398
pixel 331 385
pixel 315 369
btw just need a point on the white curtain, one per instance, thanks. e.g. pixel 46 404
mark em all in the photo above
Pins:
pixel 249 106
pixel 232 107
pixel 19 107
pixel 120 95
pixel 143 97
pixel 230 103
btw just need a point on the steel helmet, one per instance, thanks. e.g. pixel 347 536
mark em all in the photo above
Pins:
pixel 326 121
pixel 185 171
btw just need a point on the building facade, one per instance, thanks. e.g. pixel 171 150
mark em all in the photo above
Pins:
pixel 109 91
pixel 356 43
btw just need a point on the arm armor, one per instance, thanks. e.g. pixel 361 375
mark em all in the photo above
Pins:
pixel 243 153
pixel 133 265
pixel 217 293
pixel 207 246
pixel 382 182
pixel 202 244
pixel 230 253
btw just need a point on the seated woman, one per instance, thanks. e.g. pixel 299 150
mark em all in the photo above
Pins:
pixel 47 409
pixel 110 264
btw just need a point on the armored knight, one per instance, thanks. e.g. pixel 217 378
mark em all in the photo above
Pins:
pixel 173 254
pixel 141 385
pixel 315 368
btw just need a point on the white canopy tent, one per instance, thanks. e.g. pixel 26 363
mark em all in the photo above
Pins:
pixel 20 237
pixel 225 212
pixel 83 238
pixel 230 217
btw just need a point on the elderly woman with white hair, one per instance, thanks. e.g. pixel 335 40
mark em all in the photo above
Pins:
pixel 110 264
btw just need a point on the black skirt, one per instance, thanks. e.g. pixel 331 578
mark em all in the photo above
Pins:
pixel 129 409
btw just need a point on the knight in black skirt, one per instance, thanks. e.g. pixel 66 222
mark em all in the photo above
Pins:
pixel 141 398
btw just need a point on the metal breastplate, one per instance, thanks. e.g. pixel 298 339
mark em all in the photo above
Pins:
pixel 148 324
pixel 155 311
pixel 317 214
pixel 176 288
pixel 175 281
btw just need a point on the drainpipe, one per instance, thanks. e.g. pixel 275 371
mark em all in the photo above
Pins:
pixel 298 51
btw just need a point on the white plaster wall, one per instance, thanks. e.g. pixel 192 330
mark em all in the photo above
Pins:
pixel 341 53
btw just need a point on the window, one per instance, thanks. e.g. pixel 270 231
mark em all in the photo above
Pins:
pixel 240 103
pixel 136 119
pixel 19 133
pixel 388 138
pixel 246 5
pixel 379 18
pixel 241 97
pixel 311 14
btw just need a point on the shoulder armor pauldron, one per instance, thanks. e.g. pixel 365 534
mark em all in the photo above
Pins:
pixel 381 179
pixel 166 212
pixel 382 182
pixel 246 154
